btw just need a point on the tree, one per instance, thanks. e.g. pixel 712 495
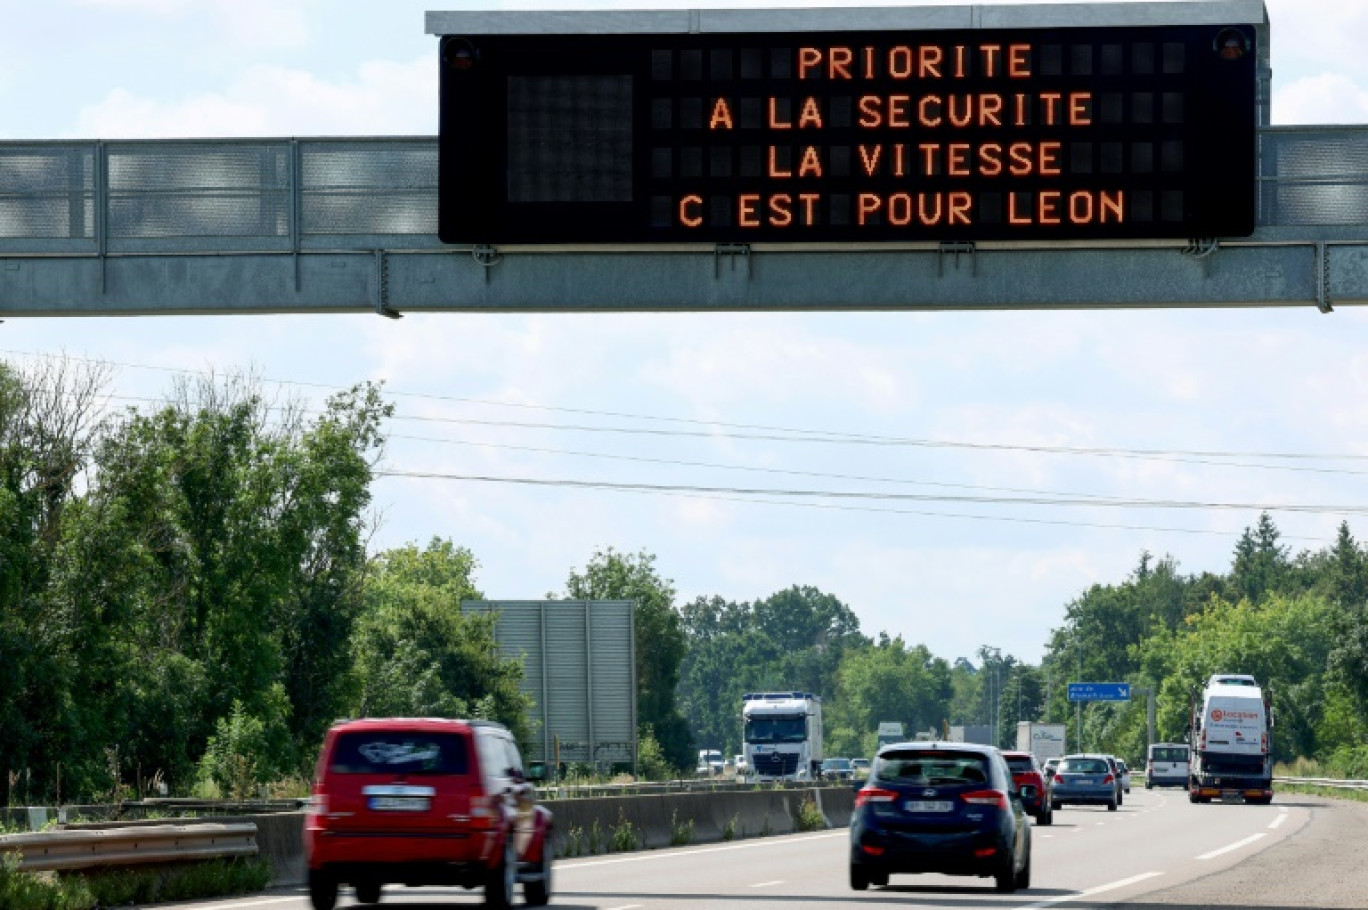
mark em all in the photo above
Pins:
pixel 660 643
pixel 890 681
pixel 418 655
pixel 1261 564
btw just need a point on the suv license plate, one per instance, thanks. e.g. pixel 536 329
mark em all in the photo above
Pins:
pixel 929 805
pixel 399 803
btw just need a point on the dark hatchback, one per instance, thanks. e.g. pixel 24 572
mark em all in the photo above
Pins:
pixel 948 808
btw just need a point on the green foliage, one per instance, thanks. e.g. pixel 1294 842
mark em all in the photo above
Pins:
pixel 595 839
pixel 625 837
pixel 123 887
pixel 729 830
pixel 651 762
pixel 418 655
pixel 681 833
pixel 808 817
pixel 247 751
pixel 889 682
pixel 574 841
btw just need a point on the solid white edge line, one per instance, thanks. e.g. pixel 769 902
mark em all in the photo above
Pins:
pixel 627 907
pixel 1235 846
pixel 768 884
pixel 262 902
pixel 642 857
pixel 1100 889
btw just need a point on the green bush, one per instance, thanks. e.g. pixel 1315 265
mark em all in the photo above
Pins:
pixel 809 817
pixel 729 829
pixel 625 838
pixel 246 751
pixel 120 887
pixel 681 832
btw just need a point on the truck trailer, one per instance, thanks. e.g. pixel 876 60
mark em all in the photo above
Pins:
pixel 1041 740
pixel 782 735
pixel 1230 729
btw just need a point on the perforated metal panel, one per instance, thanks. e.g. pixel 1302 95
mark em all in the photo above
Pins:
pixel 1315 176
pixel 579 669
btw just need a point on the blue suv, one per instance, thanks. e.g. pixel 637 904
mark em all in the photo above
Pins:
pixel 949 808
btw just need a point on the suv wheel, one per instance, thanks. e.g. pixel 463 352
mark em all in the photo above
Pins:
pixel 322 890
pixel 859 878
pixel 1006 878
pixel 1046 817
pixel 1023 878
pixel 501 879
pixel 538 893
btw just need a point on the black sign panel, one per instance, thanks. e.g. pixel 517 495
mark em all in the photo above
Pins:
pixel 1028 134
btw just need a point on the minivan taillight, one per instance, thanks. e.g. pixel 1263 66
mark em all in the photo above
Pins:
pixel 873 795
pixel 986 798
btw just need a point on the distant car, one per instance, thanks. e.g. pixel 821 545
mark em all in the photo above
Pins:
pixel 1084 780
pixel 1166 765
pixel 860 767
pixel 1047 770
pixel 1125 774
pixel 710 763
pixel 395 800
pixel 947 808
pixel 837 769
pixel 1026 771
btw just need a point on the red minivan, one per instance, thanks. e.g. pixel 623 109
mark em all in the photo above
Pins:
pixel 425 801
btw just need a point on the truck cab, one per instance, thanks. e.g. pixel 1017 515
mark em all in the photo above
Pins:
pixel 782 735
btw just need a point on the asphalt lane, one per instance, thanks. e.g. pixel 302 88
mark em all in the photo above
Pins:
pixel 1155 843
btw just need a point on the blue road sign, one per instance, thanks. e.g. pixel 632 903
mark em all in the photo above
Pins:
pixel 1099 691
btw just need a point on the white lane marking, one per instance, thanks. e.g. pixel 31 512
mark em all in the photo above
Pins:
pixel 1279 820
pixel 563 867
pixel 260 903
pixel 768 884
pixel 627 907
pixel 1235 846
pixel 1050 902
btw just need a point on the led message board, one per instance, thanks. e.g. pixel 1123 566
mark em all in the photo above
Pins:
pixel 1098 133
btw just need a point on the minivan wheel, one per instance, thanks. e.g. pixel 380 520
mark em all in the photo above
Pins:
pixel 322 890
pixel 538 893
pixel 500 881
pixel 368 893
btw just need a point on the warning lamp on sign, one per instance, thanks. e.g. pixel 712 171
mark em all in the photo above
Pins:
pixel 1231 44
pixel 459 53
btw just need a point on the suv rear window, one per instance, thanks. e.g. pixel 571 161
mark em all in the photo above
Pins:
pixel 400 752
pixel 932 767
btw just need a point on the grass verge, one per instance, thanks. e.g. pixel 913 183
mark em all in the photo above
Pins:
pixel 120 887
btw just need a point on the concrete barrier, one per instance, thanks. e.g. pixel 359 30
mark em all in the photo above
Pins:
pixel 656 821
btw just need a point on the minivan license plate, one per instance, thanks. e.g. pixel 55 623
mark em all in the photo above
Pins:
pixel 398 804
pixel 929 805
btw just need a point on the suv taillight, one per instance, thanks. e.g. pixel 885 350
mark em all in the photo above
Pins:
pixel 873 795
pixel 986 798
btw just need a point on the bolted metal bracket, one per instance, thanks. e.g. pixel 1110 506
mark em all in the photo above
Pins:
pixel 732 251
pixel 382 307
pixel 1323 277
pixel 957 249
pixel 486 255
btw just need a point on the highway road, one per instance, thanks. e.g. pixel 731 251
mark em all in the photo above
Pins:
pixel 1157 850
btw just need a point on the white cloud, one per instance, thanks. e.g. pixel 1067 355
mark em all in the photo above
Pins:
pixel 1323 98
pixel 384 98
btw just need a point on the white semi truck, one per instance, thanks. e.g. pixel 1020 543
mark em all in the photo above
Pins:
pixel 782 735
pixel 1231 734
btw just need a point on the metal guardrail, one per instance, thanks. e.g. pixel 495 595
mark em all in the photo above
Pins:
pixel 47 851
pixel 1330 782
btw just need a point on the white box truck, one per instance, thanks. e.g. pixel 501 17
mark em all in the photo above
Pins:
pixel 782 735
pixel 1230 729
pixel 1041 740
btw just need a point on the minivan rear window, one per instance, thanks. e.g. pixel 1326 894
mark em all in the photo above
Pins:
pixel 400 752
pixel 1169 753
pixel 932 767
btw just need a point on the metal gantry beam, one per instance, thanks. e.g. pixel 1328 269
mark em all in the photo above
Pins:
pixel 349 225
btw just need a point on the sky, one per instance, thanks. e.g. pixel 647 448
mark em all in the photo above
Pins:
pixel 984 405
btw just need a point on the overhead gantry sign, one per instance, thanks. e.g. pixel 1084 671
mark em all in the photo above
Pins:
pixel 946 124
